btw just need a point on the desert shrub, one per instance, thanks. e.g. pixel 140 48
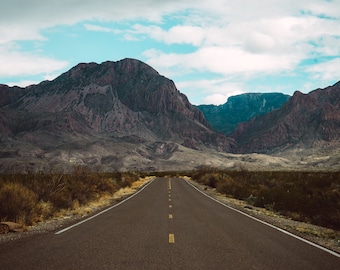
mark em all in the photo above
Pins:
pixel 17 202
pixel 42 211
pixel 126 179
pixel 306 196
pixel 35 197
pixel 209 179
pixel 46 185
pixel 202 174
pixel 62 200
pixel 226 186
pixel 83 186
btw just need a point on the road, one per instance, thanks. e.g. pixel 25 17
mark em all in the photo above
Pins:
pixel 168 225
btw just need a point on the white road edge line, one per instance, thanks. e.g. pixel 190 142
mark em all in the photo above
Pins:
pixel 102 212
pixel 268 224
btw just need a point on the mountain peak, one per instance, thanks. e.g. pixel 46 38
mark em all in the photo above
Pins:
pixel 131 64
pixel 115 100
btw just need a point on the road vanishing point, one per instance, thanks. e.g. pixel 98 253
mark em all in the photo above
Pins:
pixel 168 224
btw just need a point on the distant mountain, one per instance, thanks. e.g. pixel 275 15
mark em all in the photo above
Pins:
pixel 305 121
pixel 125 116
pixel 115 114
pixel 241 108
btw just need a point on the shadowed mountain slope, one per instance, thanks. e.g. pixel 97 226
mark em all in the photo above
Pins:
pixel 305 121
pixel 241 108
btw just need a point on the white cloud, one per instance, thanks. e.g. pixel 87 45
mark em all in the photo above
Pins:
pixel 11 33
pixel 326 71
pixel 97 28
pixel 15 63
pixel 22 83
pixel 41 14
pixel 178 34
pixel 325 8
pixel 213 91
pixel 25 83
pixel 239 38
pixel 215 99
pixel 221 60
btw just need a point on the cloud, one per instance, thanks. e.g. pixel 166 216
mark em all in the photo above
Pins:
pixel 220 60
pixel 232 39
pixel 36 15
pixel 22 83
pixel 210 91
pixel 326 71
pixel 15 63
pixel 97 28
pixel 179 34
pixel 25 83
pixel 27 21
pixel 215 99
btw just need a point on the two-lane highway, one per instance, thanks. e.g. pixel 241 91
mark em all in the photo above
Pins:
pixel 168 225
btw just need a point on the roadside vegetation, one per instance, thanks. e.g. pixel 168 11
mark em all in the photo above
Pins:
pixel 312 197
pixel 30 198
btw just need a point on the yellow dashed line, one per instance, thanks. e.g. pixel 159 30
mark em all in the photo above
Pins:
pixel 171 235
pixel 171 238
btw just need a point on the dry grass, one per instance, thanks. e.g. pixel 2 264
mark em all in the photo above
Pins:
pixel 33 198
pixel 133 188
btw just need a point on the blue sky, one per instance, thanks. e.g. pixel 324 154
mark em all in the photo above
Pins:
pixel 211 49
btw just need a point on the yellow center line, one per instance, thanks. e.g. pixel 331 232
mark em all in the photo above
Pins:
pixel 171 238
pixel 170 206
pixel 169 184
pixel 170 216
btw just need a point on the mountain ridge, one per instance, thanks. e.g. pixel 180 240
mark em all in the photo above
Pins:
pixel 304 121
pixel 241 108
pixel 124 115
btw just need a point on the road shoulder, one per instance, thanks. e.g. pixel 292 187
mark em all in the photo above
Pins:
pixel 324 237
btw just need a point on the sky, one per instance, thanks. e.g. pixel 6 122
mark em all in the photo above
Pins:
pixel 211 49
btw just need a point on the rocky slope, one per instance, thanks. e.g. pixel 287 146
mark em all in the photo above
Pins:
pixel 117 114
pixel 306 121
pixel 125 116
pixel 241 108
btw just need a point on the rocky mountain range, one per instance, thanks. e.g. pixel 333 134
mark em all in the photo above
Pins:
pixel 241 108
pixel 305 121
pixel 125 116
pixel 104 107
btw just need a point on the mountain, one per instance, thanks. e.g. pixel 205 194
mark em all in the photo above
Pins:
pixel 241 108
pixel 305 121
pixel 125 116
pixel 116 115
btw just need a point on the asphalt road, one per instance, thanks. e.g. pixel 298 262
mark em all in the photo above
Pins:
pixel 168 225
